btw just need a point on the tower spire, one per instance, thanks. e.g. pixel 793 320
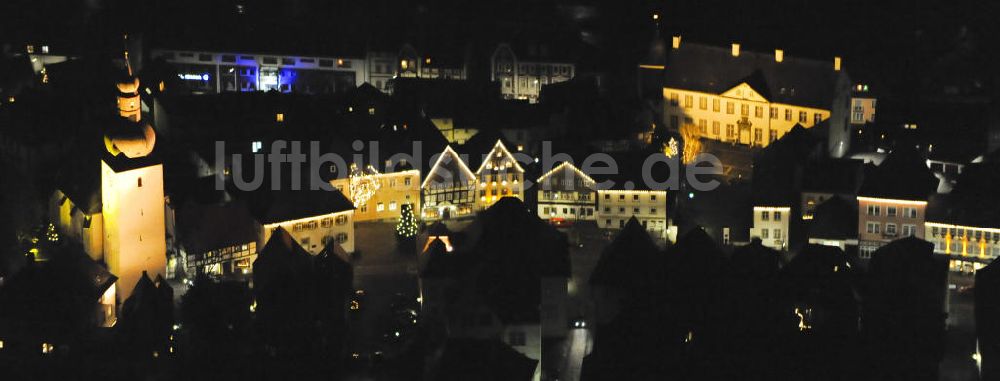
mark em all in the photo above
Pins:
pixel 128 65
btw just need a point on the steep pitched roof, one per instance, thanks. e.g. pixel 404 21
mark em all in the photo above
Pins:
pixel 713 69
pixel 902 175
pixel 487 360
pixel 203 228
pixel 498 157
pixel 289 205
pixel 565 173
pixel 835 218
pixel 511 251
pixel 625 261
pixel 60 292
pixel 449 169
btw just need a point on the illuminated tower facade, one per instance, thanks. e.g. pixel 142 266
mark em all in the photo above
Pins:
pixel 132 194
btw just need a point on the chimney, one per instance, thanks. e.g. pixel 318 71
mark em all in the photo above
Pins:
pixel 779 55
pixel 736 50
pixel 836 63
pixel 676 44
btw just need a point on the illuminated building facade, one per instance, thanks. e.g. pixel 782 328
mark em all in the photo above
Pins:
pixel 218 72
pixel 974 247
pixel 616 207
pixel 862 105
pixel 453 134
pixel 383 199
pixel 499 176
pixel 770 224
pixel 218 240
pixel 881 220
pixel 449 188
pixel 414 64
pixel 314 233
pixel 567 193
pixel 521 76
pixel 752 98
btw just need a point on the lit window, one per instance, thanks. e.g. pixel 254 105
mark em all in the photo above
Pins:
pixel 47 348
pixel 341 220
pixel 279 117
pixel 380 207
pixel 392 205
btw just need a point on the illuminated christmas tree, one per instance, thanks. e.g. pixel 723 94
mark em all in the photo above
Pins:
pixel 406 229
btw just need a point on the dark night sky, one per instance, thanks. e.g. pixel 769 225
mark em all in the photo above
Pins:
pixel 895 41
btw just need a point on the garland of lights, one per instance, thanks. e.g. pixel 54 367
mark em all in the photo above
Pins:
pixel 671 149
pixel 407 226
pixel 363 184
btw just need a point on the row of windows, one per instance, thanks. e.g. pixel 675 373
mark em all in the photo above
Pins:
pixel 744 109
pixel 645 224
pixel 635 197
pixel 731 134
pixel 636 210
pixel 891 211
pixel 326 222
pixel 766 215
pixel 510 176
pixel 453 196
pixel 957 248
pixel 568 210
pixel 572 196
pixel 964 233
pixel 765 234
pixel 499 192
pixel 890 229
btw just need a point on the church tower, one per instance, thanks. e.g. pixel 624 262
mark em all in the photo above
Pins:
pixel 132 193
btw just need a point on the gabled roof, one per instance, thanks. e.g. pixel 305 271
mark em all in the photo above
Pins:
pixel 835 218
pixel 449 169
pixel 754 261
pixel 903 175
pixel 289 205
pixel 625 261
pixel 202 228
pixel 486 360
pixel 567 171
pixel 510 252
pixel 281 256
pixel 841 176
pixel 498 157
pixel 59 292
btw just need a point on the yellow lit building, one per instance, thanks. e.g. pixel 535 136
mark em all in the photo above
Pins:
pixel 499 176
pixel 120 221
pixel 974 247
pixel 770 224
pixel 753 98
pixel 567 193
pixel 448 188
pixel 314 219
pixel 616 207
pixel 452 134
pixel 380 196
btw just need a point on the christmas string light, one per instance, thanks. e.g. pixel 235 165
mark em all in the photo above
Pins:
pixel 364 184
